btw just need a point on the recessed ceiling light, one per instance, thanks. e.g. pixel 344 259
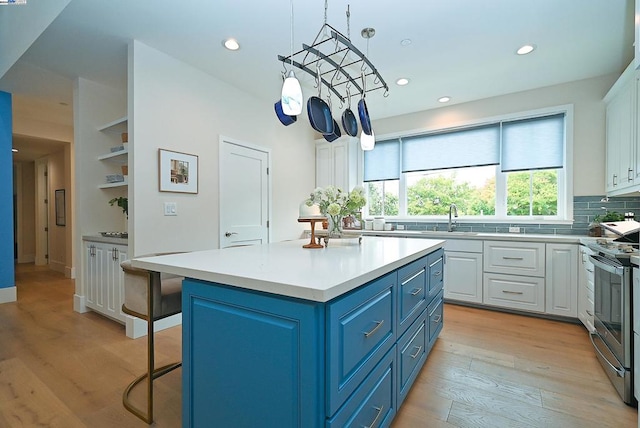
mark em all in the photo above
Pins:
pixel 231 44
pixel 444 99
pixel 405 42
pixel 526 49
pixel 402 81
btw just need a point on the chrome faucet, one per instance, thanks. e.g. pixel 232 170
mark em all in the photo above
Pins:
pixel 453 225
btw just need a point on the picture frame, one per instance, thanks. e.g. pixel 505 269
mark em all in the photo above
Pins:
pixel 178 172
pixel 354 222
pixel 61 219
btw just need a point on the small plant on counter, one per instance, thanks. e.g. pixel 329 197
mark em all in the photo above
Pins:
pixel 122 202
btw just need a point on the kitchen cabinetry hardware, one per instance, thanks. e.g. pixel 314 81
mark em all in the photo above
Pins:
pixel 512 258
pixel 512 292
pixel 416 291
pixel 630 175
pixel 615 179
pixel 379 409
pixel 589 312
pixel 378 325
pixel 418 349
pixel 228 234
pixel 417 274
pixel 438 273
pixel 437 319
pixel 619 371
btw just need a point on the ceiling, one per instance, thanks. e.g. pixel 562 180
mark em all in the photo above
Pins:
pixel 464 49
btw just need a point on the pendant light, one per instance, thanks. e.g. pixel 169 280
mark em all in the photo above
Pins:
pixel 367 142
pixel 291 98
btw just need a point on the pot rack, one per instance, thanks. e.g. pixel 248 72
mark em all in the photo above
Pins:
pixel 344 59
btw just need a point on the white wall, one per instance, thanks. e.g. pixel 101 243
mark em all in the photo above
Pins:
pixel 176 107
pixel 589 122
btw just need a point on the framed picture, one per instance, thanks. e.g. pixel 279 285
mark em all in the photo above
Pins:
pixel 352 222
pixel 60 212
pixel 178 172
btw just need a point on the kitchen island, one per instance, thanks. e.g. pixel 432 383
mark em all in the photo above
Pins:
pixel 280 336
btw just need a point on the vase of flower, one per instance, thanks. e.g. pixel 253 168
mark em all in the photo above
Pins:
pixel 335 226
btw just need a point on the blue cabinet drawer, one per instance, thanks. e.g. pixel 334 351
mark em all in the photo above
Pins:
pixel 412 353
pixel 435 266
pixel 436 319
pixel 373 404
pixel 360 330
pixel 412 297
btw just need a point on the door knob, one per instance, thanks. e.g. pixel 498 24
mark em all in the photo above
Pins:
pixel 228 234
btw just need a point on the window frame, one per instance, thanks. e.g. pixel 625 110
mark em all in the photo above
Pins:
pixel 564 178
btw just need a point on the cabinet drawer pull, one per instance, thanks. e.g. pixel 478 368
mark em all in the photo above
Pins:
pixel 437 319
pixel 438 273
pixel 417 274
pixel 589 312
pixel 378 325
pixel 512 258
pixel 512 292
pixel 416 291
pixel 590 270
pixel 414 356
pixel 379 409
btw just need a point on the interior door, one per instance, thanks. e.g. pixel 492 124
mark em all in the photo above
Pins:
pixel 244 194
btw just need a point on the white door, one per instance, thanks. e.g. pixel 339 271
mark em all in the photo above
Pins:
pixel 42 213
pixel 244 194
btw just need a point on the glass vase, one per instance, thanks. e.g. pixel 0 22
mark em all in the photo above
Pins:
pixel 335 226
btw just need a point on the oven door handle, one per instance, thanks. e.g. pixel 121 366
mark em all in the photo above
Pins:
pixel 620 371
pixel 606 264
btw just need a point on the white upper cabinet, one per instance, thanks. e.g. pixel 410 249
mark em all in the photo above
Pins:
pixel 337 163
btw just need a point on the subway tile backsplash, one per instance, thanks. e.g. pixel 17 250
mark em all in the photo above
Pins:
pixel 585 208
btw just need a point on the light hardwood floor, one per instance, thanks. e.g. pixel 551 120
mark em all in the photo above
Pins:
pixel 59 368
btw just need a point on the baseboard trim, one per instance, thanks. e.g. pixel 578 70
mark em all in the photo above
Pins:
pixel 8 294
pixel 80 304
pixel 136 327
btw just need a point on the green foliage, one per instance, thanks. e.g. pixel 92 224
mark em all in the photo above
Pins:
pixel 609 216
pixel 391 202
pixel 122 202
pixel 544 194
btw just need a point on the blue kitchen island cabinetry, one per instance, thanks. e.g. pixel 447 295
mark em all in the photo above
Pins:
pixel 327 352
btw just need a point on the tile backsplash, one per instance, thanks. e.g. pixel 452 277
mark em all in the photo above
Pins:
pixel 585 208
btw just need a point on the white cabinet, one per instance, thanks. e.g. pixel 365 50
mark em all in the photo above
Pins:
pixel 463 270
pixel 585 288
pixel 561 280
pixel 514 275
pixel 336 163
pixel 103 278
pixel 623 157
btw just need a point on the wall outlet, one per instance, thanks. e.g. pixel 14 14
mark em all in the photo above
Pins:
pixel 400 227
pixel 513 229
pixel 170 208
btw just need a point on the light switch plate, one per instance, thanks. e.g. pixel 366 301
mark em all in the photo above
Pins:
pixel 170 208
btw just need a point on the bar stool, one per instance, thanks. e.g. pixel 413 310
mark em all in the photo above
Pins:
pixel 151 296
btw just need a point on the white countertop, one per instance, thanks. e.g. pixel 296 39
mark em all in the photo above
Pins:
pixel 287 269
pixel 105 239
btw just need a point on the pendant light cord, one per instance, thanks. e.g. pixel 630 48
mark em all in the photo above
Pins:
pixel 291 34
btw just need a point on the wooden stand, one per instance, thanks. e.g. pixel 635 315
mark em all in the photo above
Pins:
pixel 313 221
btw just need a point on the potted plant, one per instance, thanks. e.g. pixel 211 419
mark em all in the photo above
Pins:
pixel 123 203
pixel 594 227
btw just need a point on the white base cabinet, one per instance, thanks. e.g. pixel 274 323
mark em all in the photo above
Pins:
pixel 103 278
pixel 463 270
pixel 585 289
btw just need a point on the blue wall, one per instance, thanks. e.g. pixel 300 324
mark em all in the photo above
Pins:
pixel 7 272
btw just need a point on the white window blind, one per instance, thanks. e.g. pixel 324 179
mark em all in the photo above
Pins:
pixel 476 146
pixel 536 143
pixel 383 162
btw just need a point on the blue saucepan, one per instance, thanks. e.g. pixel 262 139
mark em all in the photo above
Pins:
pixel 349 122
pixel 320 115
pixel 364 116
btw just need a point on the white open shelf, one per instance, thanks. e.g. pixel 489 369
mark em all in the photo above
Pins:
pixel 118 184
pixel 115 156
pixel 117 126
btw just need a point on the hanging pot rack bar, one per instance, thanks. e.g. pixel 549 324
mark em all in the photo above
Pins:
pixel 343 46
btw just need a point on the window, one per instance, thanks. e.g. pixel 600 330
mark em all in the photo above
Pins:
pixel 504 169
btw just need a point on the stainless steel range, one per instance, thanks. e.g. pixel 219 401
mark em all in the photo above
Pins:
pixel 613 338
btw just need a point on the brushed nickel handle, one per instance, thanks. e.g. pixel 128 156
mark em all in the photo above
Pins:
pixel 228 234
pixel 630 175
pixel 438 273
pixel 589 312
pixel 417 274
pixel 512 292
pixel 590 270
pixel 414 356
pixel 437 319
pixel 378 325
pixel 512 258
pixel 615 179
pixel 416 291
pixel 379 409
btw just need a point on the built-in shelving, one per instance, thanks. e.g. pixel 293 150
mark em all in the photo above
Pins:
pixel 120 157
pixel 118 184
pixel 117 126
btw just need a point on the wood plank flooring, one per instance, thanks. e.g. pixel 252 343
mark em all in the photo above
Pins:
pixel 59 368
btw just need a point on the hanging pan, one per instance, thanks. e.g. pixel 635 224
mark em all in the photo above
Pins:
pixel 318 111
pixel 285 119
pixel 349 122
pixel 362 110
pixel 332 136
